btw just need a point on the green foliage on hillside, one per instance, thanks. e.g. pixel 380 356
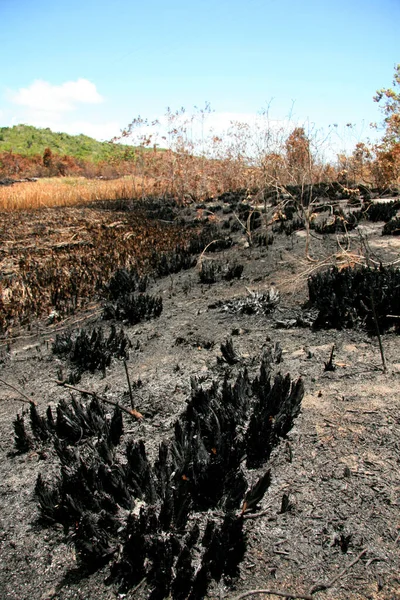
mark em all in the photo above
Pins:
pixel 30 141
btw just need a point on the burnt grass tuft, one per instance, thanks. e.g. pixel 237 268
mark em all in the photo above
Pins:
pixel 345 298
pixel 176 521
pixel 92 350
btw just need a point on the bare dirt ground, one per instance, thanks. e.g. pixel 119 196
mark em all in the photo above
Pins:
pixel 339 466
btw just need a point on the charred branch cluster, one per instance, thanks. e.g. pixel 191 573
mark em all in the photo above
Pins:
pixel 92 350
pixel 154 520
pixel 347 298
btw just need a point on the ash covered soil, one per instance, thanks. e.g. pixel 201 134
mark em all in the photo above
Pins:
pixel 330 516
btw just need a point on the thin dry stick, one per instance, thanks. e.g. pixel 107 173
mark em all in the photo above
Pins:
pixel 318 587
pixel 24 396
pixel 282 594
pixel 324 586
pixel 200 259
pixel 132 413
pixel 129 385
pixel 262 513
pixel 378 333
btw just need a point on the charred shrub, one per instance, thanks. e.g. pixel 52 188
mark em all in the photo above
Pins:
pixel 173 262
pixel 209 271
pixel 133 308
pixel 125 281
pixel 392 227
pixel 109 501
pixel 289 226
pixel 276 407
pixel 343 298
pixel 379 211
pixel 74 421
pixel 339 222
pixel 263 239
pixel 232 271
pixel 212 271
pixel 92 350
pixel 23 442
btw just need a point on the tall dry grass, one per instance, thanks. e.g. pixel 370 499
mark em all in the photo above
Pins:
pixel 71 191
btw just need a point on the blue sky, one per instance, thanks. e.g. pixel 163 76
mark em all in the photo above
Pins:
pixel 92 66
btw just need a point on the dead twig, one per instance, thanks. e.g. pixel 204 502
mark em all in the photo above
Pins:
pixel 129 385
pixel 24 397
pixel 263 513
pixel 202 255
pixel 318 587
pixel 330 365
pixel 282 594
pixel 132 412
pixel 378 333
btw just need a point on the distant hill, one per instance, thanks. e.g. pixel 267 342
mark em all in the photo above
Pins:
pixel 29 141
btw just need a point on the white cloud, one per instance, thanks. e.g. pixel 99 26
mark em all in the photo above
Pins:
pixel 43 96
pixel 67 107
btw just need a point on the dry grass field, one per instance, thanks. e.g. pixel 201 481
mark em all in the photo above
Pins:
pixel 71 191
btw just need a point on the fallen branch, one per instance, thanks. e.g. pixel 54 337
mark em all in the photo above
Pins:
pixel 24 398
pixel 132 412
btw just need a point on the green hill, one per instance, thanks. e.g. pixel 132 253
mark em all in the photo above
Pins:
pixel 29 141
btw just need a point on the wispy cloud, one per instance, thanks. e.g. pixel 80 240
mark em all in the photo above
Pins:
pixel 43 96
pixel 65 108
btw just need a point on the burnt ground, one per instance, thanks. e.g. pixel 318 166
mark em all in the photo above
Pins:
pixel 335 490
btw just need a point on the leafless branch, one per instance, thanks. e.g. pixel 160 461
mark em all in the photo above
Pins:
pixel 132 412
pixel 24 397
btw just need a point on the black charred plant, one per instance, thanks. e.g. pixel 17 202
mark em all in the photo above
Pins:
pixel 173 262
pixel 109 502
pixel 133 308
pixel 126 281
pixel 253 304
pixel 92 350
pixel 256 493
pixel 232 271
pixel 75 421
pixel 340 222
pixel 379 211
pixel 209 271
pixel 392 227
pixel 229 353
pixel 212 271
pixel 22 440
pixel 42 428
pixel 343 298
pixel 276 407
